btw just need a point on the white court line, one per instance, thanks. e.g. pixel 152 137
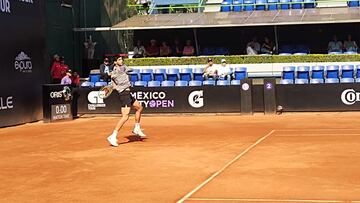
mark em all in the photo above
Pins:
pixel 315 134
pixel 269 200
pixel 317 129
pixel 223 168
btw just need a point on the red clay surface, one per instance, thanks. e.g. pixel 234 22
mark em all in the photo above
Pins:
pixel 310 156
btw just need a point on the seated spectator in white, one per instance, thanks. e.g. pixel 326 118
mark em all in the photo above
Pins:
pixel 335 45
pixel 66 80
pixel 105 70
pixel 139 50
pixel 165 50
pixel 350 44
pixel 255 44
pixel 153 49
pixel 224 71
pixel 210 70
pixel 188 49
pixel 177 48
pixel 250 49
pixel 267 47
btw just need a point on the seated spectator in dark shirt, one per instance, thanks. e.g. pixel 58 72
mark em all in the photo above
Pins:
pixel 165 50
pixel 267 47
pixel 75 79
pixel 189 49
pixel 177 48
pixel 139 50
pixel 105 70
pixel 153 49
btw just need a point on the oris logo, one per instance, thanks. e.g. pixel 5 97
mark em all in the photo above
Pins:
pixel 55 95
pixel 196 99
pixel 6 103
pixel 5 6
pixel 23 63
pixel 349 96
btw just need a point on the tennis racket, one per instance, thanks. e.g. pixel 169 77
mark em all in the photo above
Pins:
pixel 105 91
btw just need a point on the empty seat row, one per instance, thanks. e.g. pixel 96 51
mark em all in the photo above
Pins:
pixel 321 72
pixel 319 81
pixel 182 83
pixel 250 5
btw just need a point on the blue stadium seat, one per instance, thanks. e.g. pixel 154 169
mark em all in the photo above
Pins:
pixel 287 49
pixel 285 4
pixel 332 80
pixel 357 71
pixel 87 84
pixel 288 72
pixel 301 81
pixel 222 83
pixel 302 48
pixel 167 83
pixel 185 74
pixel 100 84
pixel 198 74
pixel 317 72
pixel 286 81
pixel 181 83
pixel 249 5
pixel 357 79
pixel 172 74
pixel 154 84
pixel 221 51
pixel 272 5
pixel 347 71
pixel 347 80
pixel 208 51
pixel 140 83
pixel 261 5
pixel 240 73
pixel 94 78
pixel 350 52
pixel 225 6
pixel 237 5
pixel 159 74
pixel 297 4
pixel 235 82
pixel 316 81
pixel 146 75
pixel 332 71
pixel 193 83
pixel 134 75
pixel 303 72
pixel 209 82
pixel 309 3
pixel 353 3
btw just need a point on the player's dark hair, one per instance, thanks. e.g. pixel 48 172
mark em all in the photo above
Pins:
pixel 117 57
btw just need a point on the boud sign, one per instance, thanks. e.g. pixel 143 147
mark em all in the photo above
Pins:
pixel 22 61
pixel 165 100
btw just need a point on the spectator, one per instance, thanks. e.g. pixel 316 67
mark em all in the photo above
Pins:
pixel 105 70
pixel 350 44
pixel 139 50
pixel 153 49
pixel 335 45
pixel 188 49
pixel 224 71
pixel 64 66
pixel 177 48
pixel 75 79
pixel 267 47
pixel 250 49
pixel 165 50
pixel 255 45
pixel 56 70
pixel 66 80
pixel 210 71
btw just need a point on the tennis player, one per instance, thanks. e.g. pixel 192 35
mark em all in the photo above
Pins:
pixel 121 83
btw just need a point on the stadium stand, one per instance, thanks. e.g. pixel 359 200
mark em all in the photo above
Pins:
pixel 140 83
pixel 193 83
pixel 154 84
pixel 332 71
pixel 347 71
pixel 167 83
pixel 159 74
pixel 317 72
pixel 181 83
pixel 146 75
pixel 172 74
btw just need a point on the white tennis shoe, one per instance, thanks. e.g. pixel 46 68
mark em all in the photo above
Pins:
pixel 113 141
pixel 137 131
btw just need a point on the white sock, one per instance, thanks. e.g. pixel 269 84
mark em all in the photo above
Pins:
pixel 115 133
pixel 137 125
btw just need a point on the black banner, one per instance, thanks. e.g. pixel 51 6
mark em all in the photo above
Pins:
pixel 22 40
pixel 319 97
pixel 206 99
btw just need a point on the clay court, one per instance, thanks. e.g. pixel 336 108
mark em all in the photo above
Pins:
pixel 303 157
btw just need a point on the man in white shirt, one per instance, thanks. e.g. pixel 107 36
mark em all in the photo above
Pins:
pixel 335 45
pixel 224 71
pixel 210 71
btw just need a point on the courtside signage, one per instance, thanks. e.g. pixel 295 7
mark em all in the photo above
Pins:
pixel 5 6
pixel 6 103
pixel 350 96
pixel 153 99
pixel 95 101
pixel 196 99
pixel 27 1
pixel 23 63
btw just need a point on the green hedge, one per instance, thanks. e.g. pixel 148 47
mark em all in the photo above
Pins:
pixel 243 59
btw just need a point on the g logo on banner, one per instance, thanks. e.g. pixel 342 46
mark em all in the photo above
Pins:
pixel 93 98
pixel 349 96
pixel 196 99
